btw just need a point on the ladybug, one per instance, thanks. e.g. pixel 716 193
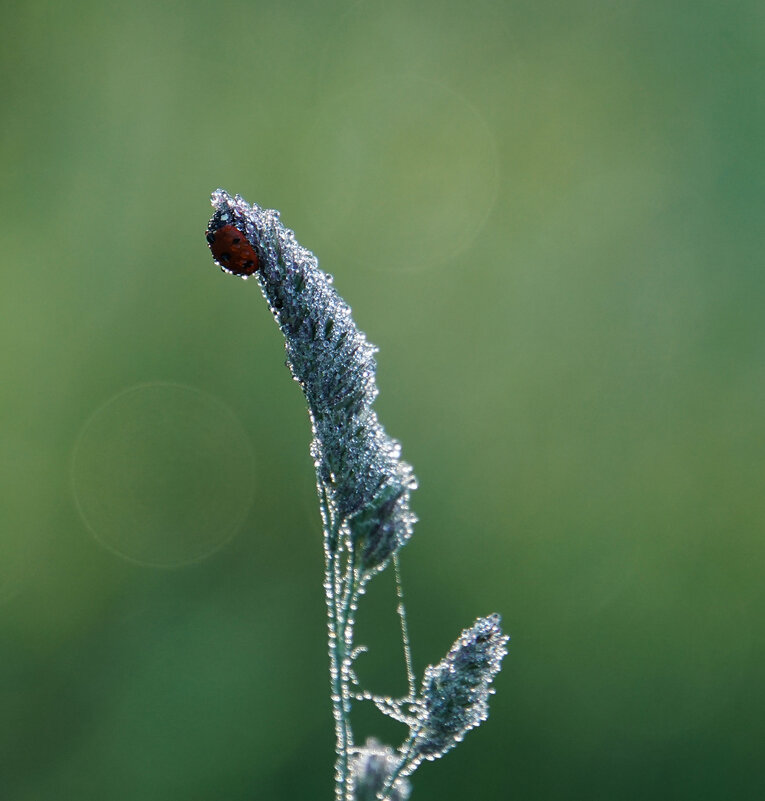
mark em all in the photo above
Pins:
pixel 232 251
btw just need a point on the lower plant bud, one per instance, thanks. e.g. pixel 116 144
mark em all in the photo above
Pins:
pixel 371 770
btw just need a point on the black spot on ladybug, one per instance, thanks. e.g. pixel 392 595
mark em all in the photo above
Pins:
pixel 232 251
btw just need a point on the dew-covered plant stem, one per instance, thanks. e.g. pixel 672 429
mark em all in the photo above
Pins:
pixel 343 600
pixel 364 487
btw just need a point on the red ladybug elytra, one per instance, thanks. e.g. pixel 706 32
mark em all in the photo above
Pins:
pixel 232 251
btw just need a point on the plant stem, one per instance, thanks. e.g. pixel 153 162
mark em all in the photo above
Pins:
pixel 337 660
pixel 342 597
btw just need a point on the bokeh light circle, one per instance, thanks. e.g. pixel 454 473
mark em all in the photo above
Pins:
pixel 163 474
pixel 402 173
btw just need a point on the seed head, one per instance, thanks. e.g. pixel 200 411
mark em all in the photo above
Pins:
pixel 455 692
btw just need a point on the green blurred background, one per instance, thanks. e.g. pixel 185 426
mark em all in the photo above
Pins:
pixel 549 217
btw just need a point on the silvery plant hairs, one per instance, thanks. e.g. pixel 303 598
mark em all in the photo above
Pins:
pixel 364 489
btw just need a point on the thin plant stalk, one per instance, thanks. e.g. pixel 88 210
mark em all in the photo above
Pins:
pixel 364 489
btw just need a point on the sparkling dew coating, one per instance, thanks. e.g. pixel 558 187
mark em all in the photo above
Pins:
pixel 455 692
pixel 364 489
pixel 359 470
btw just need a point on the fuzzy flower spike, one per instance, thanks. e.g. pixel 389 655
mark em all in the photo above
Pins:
pixel 364 488
pixel 361 477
